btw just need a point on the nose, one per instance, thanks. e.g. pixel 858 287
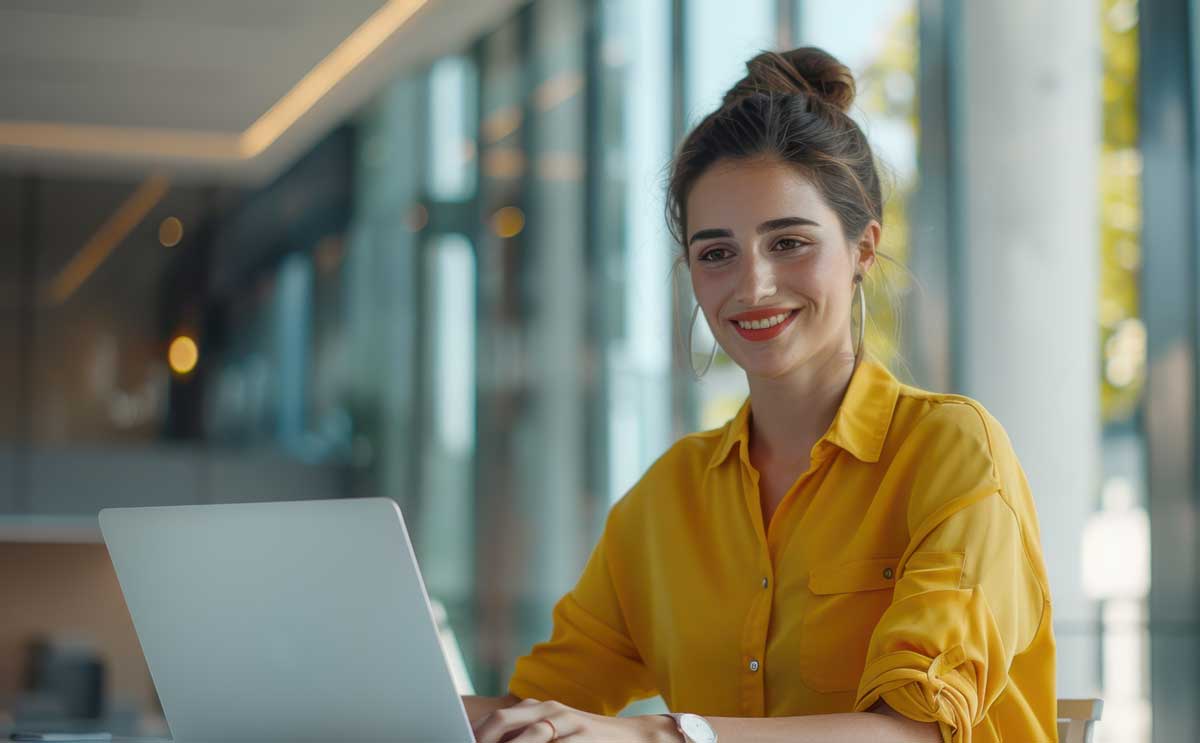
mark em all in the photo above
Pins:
pixel 756 281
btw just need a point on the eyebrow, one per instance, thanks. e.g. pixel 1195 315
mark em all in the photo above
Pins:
pixel 769 226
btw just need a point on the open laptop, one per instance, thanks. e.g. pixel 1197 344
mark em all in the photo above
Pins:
pixel 297 621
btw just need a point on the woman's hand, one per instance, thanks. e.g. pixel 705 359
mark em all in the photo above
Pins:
pixel 533 721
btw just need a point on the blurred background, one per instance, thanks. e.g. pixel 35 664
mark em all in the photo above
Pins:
pixel 287 249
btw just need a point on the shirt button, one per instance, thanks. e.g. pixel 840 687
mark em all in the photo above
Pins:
pixel 887 573
pixel 753 666
pixel 764 582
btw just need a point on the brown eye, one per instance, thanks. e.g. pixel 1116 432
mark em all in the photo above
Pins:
pixel 714 255
pixel 789 244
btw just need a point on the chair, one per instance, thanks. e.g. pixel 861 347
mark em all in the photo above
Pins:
pixel 1076 718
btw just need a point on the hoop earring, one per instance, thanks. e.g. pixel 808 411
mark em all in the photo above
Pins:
pixel 712 355
pixel 862 318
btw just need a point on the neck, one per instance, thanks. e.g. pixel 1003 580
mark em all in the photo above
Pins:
pixel 789 414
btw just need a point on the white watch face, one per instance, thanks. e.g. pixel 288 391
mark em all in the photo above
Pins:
pixel 697 728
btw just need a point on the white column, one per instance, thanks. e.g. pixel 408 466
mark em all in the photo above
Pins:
pixel 1027 128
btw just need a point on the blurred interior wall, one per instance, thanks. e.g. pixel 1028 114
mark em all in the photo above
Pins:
pixel 69 592
pixel 1028 277
pixel 13 335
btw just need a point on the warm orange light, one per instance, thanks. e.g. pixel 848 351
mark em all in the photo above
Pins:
pixel 503 163
pixel 418 217
pixel 500 123
pixel 170 232
pixel 508 221
pixel 560 166
pixel 183 355
pixel 329 253
pixel 557 90
pixel 96 139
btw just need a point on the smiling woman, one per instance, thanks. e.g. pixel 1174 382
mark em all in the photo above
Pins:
pixel 758 265
pixel 854 558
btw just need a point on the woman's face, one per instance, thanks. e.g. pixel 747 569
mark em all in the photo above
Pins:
pixel 770 265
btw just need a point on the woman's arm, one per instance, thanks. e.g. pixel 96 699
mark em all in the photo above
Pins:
pixel 480 707
pixel 880 725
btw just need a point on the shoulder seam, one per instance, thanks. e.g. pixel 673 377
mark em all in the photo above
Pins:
pixel 957 400
pixel 1043 588
pixel 1004 497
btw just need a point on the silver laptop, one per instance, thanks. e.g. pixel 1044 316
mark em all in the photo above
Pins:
pixel 299 621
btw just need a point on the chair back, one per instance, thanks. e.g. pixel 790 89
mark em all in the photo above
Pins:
pixel 1077 719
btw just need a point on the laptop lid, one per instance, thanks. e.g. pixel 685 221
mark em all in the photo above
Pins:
pixel 295 621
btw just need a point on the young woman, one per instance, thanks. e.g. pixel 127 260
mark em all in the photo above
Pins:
pixel 849 558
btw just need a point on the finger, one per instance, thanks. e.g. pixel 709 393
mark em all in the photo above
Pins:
pixel 478 725
pixel 539 732
pixel 496 726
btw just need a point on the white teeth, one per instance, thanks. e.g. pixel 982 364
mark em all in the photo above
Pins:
pixel 764 323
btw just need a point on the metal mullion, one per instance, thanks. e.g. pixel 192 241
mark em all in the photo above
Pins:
pixel 1167 137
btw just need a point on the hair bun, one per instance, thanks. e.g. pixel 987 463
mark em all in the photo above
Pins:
pixel 804 71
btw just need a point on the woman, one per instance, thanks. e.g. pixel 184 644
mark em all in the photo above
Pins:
pixel 849 558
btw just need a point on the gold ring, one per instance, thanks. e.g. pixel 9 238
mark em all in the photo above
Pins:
pixel 553 730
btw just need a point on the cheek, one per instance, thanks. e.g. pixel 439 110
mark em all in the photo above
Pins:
pixel 709 292
pixel 821 283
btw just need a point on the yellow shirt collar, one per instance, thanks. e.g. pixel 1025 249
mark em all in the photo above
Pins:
pixel 861 423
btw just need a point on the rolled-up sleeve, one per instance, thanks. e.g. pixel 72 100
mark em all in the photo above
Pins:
pixel 590 662
pixel 967 600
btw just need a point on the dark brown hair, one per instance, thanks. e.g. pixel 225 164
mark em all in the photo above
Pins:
pixel 791 106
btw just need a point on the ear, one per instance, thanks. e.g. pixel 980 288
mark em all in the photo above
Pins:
pixel 864 250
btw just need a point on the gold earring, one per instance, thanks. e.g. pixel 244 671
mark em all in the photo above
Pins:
pixel 862 317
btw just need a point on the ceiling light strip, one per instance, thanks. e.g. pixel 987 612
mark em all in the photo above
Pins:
pixel 106 239
pixel 89 139
pixel 331 70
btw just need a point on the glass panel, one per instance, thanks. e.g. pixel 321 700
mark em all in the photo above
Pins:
pixel 1116 539
pixel 452 129
pixel 877 40
pixel 554 485
pixel 636 64
pixel 294 297
pixel 503 408
pixel 446 545
pixel 534 339
pixel 382 309
pixel 719 38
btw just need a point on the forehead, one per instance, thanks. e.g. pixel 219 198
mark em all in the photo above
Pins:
pixel 745 193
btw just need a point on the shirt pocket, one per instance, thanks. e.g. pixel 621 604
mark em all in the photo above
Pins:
pixel 847 600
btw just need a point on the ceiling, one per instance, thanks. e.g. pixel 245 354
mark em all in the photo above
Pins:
pixel 226 89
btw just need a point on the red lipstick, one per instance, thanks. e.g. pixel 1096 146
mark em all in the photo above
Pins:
pixel 763 334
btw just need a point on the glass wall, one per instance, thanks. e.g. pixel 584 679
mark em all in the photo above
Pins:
pixel 877 40
pixel 497 339
pixel 466 299
pixel 512 300
pixel 1119 580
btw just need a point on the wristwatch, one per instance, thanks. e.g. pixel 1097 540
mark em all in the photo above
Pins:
pixel 695 729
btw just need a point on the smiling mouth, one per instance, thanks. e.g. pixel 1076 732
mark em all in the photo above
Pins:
pixel 766 328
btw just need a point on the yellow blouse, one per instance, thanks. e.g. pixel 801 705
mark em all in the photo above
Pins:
pixel 904 564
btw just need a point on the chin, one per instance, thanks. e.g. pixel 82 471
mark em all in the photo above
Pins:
pixel 769 366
